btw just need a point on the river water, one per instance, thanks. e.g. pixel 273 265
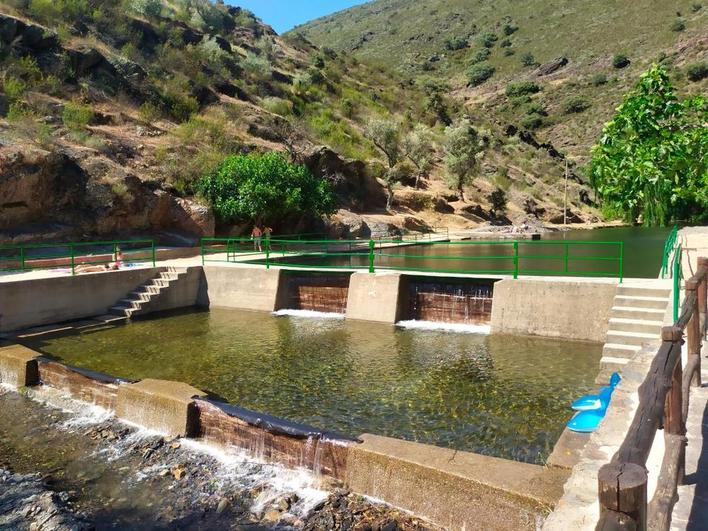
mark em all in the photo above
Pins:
pixel 499 395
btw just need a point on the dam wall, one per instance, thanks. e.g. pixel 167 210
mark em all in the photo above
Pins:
pixel 454 489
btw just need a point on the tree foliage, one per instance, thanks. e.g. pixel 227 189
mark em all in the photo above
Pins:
pixel 386 135
pixel 264 187
pixel 463 147
pixel 651 162
pixel 418 147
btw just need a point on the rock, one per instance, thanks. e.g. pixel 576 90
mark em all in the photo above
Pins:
pixel 223 504
pixel 476 212
pixel 558 217
pixel 531 207
pixel 442 206
pixel 416 224
pixel 552 66
pixel 178 472
pixel 382 229
pixel 346 225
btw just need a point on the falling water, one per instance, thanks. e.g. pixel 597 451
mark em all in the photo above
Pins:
pixel 449 301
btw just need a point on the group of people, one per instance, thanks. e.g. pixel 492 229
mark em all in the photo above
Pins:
pixel 116 264
pixel 257 235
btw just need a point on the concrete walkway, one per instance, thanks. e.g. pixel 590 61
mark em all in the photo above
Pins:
pixel 691 511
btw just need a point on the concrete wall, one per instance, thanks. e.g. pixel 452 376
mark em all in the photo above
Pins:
pixel 182 293
pixel 26 303
pixel 240 287
pixel 374 297
pixel 571 309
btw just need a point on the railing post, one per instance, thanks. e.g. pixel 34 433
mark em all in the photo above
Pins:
pixel 154 253
pixel 73 259
pixel 622 493
pixel 22 257
pixel 372 248
pixel 516 259
pixel 693 333
pixel 677 281
pixel 621 266
pixel 702 293
pixel 566 257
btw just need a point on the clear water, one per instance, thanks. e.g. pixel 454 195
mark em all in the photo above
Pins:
pixel 642 255
pixel 498 395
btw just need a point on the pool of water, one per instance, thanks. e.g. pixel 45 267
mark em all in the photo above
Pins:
pixel 642 253
pixel 498 395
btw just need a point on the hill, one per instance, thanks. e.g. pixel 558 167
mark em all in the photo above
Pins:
pixel 582 56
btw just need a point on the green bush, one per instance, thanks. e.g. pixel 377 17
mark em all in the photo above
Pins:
pixel 506 43
pixel 264 187
pixel 509 29
pixel 481 56
pixel 509 51
pixel 697 71
pixel 696 7
pixel 599 79
pixel 478 74
pixel 575 104
pixel 147 8
pixel 456 43
pixel 534 121
pixel 14 88
pixel 76 115
pixel 278 106
pixel 521 88
pixel 678 25
pixel 347 107
pixel 488 39
pixel 528 59
pixel 620 61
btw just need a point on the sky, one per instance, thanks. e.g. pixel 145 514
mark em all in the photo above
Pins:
pixel 284 15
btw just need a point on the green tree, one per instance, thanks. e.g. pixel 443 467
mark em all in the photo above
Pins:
pixel 386 135
pixel 463 147
pixel 418 147
pixel 651 162
pixel 264 187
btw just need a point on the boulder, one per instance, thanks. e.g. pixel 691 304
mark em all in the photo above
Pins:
pixel 532 208
pixel 552 66
pixel 476 212
pixel 416 224
pixel 442 206
pixel 557 217
pixel 347 225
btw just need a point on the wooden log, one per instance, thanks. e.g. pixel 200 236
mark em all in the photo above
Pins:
pixel 702 295
pixel 691 365
pixel 622 488
pixel 670 476
pixel 673 411
pixel 693 329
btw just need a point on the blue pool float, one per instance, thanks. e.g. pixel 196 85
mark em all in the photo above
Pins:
pixel 590 402
pixel 588 420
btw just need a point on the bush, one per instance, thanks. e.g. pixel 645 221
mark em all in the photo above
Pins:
pixel 575 104
pixel 480 73
pixel 509 29
pixel 506 43
pixel 264 187
pixel 147 8
pixel 528 59
pixel 697 71
pixel 620 61
pixel 678 25
pixel 521 88
pixel 509 51
pixel 534 121
pixel 481 56
pixel 598 80
pixel 488 39
pixel 498 201
pixel 257 65
pixel 76 115
pixel 347 107
pixel 149 112
pixel 536 108
pixel 456 43
pixel 278 106
pixel 14 88
pixel 696 7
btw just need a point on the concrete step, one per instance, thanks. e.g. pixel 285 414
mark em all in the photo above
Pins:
pixel 169 276
pixel 627 312
pixel 133 304
pixel 630 338
pixel 618 350
pixel 641 291
pixel 110 319
pixel 656 303
pixel 608 365
pixel 619 324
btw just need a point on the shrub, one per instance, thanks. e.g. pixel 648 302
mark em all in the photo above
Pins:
pixel 620 61
pixel 316 75
pixel 506 43
pixel 76 115
pixel 14 88
pixel 575 104
pixel 678 25
pixel 347 107
pixel 480 73
pixel 509 29
pixel 534 121
pixel 149 112
pixel 697 71
pixel 148 8
pixel 528 59
pixel 318 61
pixel 536 108
pixel 598 79
pixel 456 43
pixel 696 7
pixel 488 39
pixel 498 201
pixel 264 187
pixel 257 65
pixel 521 88
pixel 481 56
pixel 508 52
pixel 278 106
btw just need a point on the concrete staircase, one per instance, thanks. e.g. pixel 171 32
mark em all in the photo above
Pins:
pixel 147 295
pixel 636 318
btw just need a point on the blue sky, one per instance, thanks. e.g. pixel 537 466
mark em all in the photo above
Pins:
pixel 286 14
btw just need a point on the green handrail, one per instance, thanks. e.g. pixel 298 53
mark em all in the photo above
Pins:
pixel 669 248
pixel 677 271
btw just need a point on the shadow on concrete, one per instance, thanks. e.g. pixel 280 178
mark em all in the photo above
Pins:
pixel 698 518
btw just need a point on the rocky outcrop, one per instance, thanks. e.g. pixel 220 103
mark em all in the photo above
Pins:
pixel 552 66
pixel 353 184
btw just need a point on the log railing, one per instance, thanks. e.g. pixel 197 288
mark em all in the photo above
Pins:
pixel 663 403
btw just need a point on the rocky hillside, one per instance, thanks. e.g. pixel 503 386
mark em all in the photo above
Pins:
pixel 554 67
pixel 111 110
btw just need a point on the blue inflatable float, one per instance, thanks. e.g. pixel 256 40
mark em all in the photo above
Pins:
pixel 591 409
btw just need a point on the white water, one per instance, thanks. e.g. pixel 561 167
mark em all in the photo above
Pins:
pixel 446 327
pixel 308 314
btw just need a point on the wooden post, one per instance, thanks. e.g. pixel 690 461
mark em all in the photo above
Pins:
pixel 622 489
pixel 702 287
pixel 693 333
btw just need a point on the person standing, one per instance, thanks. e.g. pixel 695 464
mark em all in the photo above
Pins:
pixel 257 237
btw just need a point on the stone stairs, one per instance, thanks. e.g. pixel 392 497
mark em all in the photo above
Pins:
pixel 139 301
pixel 636 318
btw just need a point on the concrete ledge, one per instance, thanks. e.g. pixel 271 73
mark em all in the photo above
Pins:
pixel 244 288
pixel 18 366
pixel 160 405
pixel 458 490
pixel 551 307
pixel 374 297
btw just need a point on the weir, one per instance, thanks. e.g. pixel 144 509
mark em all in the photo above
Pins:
pixel 317 292
pixel 448 300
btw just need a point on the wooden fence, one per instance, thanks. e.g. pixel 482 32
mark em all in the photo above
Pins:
pixel 663 403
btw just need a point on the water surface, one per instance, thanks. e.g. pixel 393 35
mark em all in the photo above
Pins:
pixel 498 395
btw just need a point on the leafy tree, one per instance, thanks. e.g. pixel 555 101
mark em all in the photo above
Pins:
pixel 481 56
pixel 651 162
pixel 463 147
pixel 264 187
pixel 418 147
pixel 575 104
pixel 478 74
pixel 521 88
pixel 488 39
pixel 498 200
pixel 386 135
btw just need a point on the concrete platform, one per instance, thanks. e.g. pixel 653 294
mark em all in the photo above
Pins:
pixel 18 366
pixel 566 453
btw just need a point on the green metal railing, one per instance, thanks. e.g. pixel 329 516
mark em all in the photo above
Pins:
pixel 72 255
pixel 669 248
pixel 504 257
pixel 676 277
